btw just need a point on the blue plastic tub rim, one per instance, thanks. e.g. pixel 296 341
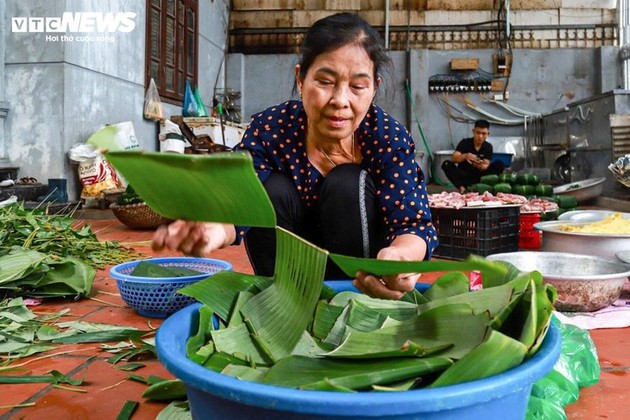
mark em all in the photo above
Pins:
pixel 117 272
pixel 171 346
pixel 506 158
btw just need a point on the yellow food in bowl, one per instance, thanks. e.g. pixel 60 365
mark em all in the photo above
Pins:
pixel 614 224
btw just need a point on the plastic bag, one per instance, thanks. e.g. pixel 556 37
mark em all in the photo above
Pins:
pixel 112 137
pixel 543 409
pixel 95 173
pixel 190 104
pixel 558 386
pixel 153 109
pixel 201 109
pixel 581 355
pixel 576 367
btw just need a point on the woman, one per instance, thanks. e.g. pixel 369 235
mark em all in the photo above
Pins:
pixel 339 171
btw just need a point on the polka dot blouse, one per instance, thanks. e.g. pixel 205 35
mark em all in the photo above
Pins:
pixel 276 140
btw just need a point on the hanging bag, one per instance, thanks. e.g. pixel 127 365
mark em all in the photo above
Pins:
pixel 190 105
pixel 153 109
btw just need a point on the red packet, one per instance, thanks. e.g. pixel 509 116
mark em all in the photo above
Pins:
pixel 475 280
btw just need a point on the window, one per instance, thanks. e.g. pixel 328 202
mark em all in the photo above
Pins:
pixel 171 46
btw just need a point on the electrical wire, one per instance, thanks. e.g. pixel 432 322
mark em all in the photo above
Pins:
pixel 512 109
pixel 466 117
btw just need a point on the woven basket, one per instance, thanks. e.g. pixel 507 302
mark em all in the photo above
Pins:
pixel 138 216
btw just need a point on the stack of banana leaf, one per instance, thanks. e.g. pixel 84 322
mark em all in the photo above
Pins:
pixel 44 255
pixel 292 330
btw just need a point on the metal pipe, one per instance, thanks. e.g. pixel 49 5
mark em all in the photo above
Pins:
pixel 386 24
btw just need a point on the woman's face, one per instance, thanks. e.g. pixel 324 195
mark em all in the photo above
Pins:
pixel 337 92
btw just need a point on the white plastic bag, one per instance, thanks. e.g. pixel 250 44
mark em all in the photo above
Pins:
pixel 112 137
pixel 95 173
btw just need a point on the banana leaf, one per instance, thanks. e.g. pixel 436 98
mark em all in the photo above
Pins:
pixel 415 297
pixel 279 315
pixel 350 374
pixel 203 354
pixel 236 317
pixel 16 307
pixel 238 342
pixel 55 377
pixel 307 346
pixel 491 300
pixel 218 361
pixel 392 307
pixel 70 277
pixel 363 318
pixel 497 354
pixel 171 389
pixel 339 330
pixel 220 187
pixel 324 319
pixel 220 290
pixel 454 326
pixel 447 285
pixel 544 310
pixel 176 410
pixel 245 372
pixel 151 269
pixel 494 272
pixel 200 339
pixel 19 262
pixel 31 273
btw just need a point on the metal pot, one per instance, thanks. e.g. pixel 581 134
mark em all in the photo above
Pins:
pixel 582 190
pixel 589 216
pixel 603 245
pixel 583 282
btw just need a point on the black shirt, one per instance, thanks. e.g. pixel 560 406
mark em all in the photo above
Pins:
pixel 468 146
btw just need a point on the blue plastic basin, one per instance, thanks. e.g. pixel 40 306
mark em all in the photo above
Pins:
pixel 212 395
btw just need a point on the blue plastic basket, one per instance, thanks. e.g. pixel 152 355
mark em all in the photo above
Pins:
pixel 158 297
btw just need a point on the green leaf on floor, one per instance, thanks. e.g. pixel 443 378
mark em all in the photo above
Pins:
pixel 176 410
pixel 131 366
pixel 54 377
pixel 127 410
pixel 167 390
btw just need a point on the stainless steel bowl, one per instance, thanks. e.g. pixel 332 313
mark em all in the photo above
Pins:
pixel 603 245
pixel 584 283
pixel 589 215
pixel 582 190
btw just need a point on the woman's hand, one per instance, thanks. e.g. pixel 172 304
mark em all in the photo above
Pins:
pixel 403 248
pixel 193 238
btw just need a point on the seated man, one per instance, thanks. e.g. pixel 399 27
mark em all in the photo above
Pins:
pixel 471 159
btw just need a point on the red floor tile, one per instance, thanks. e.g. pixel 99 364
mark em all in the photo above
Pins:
pixel 107 387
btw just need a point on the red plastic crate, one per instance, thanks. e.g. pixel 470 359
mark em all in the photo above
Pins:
pixel 528 237
pixel 529 240
pixel 476 230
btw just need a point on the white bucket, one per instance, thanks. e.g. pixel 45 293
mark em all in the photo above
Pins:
pixel 439 158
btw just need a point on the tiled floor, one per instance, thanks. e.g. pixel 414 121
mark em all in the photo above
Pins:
pixel 106 389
